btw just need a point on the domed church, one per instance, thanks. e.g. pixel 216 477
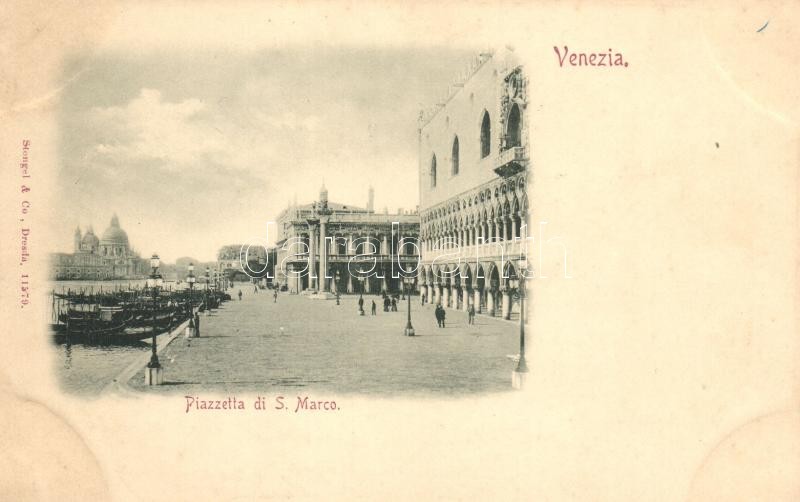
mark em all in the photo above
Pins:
pixel 114 241
pixel 109 257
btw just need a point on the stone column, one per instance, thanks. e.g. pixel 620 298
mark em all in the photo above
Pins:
pixel 505 228
pixel 506 305
pixel 384 245
pixel 351 245
pixel 513 228
pixel 490 302
pixel 349 282
pixel 465 299
pixel 446 296
pixel 312 257
pixel 476 300
pixel 323 255
pixel 437 293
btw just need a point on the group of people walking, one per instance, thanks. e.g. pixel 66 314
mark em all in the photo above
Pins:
pixel 255 290
pixel 389 304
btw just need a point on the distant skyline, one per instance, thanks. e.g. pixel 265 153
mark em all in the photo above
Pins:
pixel 194 151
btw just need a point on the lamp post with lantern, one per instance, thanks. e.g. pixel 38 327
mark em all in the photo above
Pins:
pixel 409 283
pixel 361 280
pixel 520 373
pixel 205 297
pixel 214 287
pixel 191 329
pixel 336 286
pixel 154 373
pixel 190 279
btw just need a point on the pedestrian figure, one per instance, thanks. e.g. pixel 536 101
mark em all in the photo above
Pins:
pixel 394 305
pixel 442 313
pixel 240 295
pixel 196 324
pixel 275 296
pixel 374 308
pixel 438 313
pixel 255 289
pixel 361 304
pixel 471 314
pixel 422 299
pixel 386 304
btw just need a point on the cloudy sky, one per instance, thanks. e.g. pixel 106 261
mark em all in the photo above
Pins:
pixel 195 150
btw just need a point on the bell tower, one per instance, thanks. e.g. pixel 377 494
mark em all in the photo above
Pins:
pixel 77 239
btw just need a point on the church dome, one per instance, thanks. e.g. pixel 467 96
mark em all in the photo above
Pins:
pixel 89 240
pixel 114 235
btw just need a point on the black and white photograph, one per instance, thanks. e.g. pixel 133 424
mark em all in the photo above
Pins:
pixel 230 256
pixel 367 251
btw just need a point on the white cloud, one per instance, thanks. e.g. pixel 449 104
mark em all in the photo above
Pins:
pixel 176 135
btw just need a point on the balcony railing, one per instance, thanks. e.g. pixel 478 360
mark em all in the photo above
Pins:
pixel 343 258
pixel 508 249
pixel 511 161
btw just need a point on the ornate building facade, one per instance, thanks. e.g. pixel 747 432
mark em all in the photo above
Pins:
pixel 473 170
pixel 107 257
pixel 328 247
pixel 242 263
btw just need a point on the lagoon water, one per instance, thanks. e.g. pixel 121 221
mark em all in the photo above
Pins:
pixel 87 369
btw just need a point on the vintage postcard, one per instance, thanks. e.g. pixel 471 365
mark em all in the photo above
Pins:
pixel 396 251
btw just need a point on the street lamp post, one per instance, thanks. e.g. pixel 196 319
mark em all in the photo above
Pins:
pixel 519 374
pixel 154 373
pixel 191 279
pixel 336 287
pixel 361 279
pixel 409 283
pixel 214 289
pixel 205 297
pixel 191 329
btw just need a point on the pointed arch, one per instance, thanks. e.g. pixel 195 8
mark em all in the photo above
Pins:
pixel 486 135
pixel 433 171
pixel 454 158
pixel 514 127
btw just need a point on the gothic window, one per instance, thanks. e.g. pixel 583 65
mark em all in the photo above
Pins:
pixel 454 168
pixel 433 171
pixel 514 128
pixel 486 135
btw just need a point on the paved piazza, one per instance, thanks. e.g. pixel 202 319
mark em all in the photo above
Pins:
pixel 255 345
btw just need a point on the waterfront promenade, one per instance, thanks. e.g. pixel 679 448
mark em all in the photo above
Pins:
pixel 303 345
